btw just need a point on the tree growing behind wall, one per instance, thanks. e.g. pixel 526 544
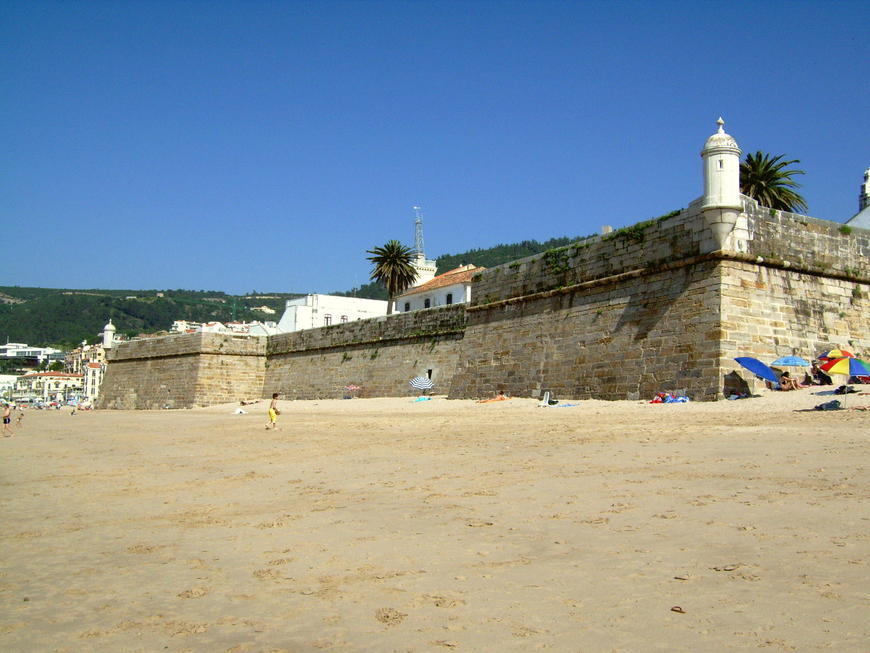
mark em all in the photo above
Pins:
pixel 767 180
pixel 393 269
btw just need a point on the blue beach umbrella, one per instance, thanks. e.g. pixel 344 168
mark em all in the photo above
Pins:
pixel 758 368
pixel 791 361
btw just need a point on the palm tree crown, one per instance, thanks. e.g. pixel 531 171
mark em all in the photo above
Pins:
pixel 392 267
pixel 764 178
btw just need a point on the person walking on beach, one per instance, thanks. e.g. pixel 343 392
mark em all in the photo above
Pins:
pixel 273 412
pixel 7 417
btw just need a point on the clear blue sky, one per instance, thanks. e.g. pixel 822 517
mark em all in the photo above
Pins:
pixel 266 145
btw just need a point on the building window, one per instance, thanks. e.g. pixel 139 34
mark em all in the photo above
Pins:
pixel 450 298
pixel 407 306
pixel 427 303
pixel 327 319
pixel 343 319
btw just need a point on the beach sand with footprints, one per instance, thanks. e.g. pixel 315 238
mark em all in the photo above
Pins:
pixel 393 525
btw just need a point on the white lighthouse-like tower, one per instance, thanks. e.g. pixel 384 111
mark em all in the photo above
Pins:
pixel 721 203
pixel 108 335
pixel 425 267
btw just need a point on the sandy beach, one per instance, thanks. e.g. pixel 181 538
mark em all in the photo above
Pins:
pixel 393 525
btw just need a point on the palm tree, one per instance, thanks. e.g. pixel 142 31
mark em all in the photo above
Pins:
pixel 393 268
pixel 764 178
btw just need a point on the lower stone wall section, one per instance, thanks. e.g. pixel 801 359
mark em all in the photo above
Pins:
pixel 183 371
pixel 150 383
pixel 620 339
pixel 380 356
pixel 381 370
pixel 768 312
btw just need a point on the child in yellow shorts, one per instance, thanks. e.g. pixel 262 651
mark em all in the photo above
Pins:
pixel 273 412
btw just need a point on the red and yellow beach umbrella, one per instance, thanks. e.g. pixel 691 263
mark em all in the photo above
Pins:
pixel 835 353
pixel 847 365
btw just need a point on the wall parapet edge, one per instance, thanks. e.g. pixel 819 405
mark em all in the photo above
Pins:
pixel 188 344
pixel 388 329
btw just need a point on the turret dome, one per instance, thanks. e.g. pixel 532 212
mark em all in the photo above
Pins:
pixel 109 327
pixel 721 139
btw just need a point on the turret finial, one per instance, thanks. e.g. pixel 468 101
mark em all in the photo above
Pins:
pixel 721 124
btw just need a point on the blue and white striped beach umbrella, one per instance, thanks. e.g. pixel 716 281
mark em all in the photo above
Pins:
pixel 421 383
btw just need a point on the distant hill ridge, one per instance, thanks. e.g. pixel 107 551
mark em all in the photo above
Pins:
pixel 64 317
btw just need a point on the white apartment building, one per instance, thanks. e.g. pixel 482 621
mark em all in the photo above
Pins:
pixel 314 311
pixel 21 350
pixel 92 377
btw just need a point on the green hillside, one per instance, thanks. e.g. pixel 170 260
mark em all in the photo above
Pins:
pixel 63 318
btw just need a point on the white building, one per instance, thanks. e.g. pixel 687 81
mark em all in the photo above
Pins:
pixel 40 354
pixel 84 354
pixel 862 218
pixel 92 378
pixel 453 287
pixel 267 328
pixel 255 328
pixel 314 311
pixel 185 326
pixel 7 385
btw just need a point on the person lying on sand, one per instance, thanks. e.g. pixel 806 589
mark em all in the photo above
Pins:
pixel 499 397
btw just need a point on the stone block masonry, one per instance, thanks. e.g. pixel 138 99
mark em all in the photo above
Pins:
pixel 623 339
pixel 183 371
pixel 379 355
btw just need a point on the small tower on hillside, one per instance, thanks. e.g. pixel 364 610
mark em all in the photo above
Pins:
pixel 721 203
pixel 108 335
pixel 425 268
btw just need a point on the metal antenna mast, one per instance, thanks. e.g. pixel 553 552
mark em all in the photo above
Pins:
pixel 418 231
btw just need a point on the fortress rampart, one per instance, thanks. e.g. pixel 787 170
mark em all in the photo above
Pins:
pixel 662 305
pixel 181 371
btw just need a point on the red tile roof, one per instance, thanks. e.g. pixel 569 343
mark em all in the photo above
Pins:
pixel 461 274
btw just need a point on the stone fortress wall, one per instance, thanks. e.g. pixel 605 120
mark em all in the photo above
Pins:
pixel 662 305
pixel 658 306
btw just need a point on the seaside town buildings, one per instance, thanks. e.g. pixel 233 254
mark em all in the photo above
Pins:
pixel 47 386
pixel 267 328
